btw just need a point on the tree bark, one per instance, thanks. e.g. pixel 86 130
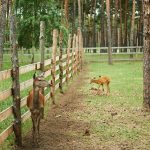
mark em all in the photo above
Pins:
pixel 3 10
pixel 125 23
pixel 109 32
pixel 121 38
pixel 15 79
pixel 79 14
pixel 132 24
pixel 146 73
pixel 102 25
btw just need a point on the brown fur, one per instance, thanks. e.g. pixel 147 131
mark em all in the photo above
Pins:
pixel 101 81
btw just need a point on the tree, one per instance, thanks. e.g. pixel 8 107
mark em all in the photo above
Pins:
pixel 109 32
pixel 132 24
pixel 146 69
pixel 3 9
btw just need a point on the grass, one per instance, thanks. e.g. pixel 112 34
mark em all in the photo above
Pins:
pixel 129 128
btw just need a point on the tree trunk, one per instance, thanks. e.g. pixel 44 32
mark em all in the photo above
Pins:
pixel 125 23
pixel 121 38
pixel 109 32
pixel 94 27
pixel 146 72
pixel 116 24
pixel 66 13
pixel 132 24
pixel 79 13
pixel 2 29
pixel 102 25
pixel 15 79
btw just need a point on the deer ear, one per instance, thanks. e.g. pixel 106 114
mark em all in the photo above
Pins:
pixel 34 76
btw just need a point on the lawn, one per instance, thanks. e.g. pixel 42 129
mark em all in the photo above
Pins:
pixel 118 120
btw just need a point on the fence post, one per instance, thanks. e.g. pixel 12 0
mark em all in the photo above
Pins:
pixel 60 63
pixel 15 82
pixel 77 53
pixel 68 58
pixel 73 54
pixel 42 44
pixel 80 48
pixel 54 50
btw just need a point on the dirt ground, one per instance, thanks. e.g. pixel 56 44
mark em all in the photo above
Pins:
pixel 59 131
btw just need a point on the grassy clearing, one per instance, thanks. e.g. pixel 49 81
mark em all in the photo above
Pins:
pixel 129 128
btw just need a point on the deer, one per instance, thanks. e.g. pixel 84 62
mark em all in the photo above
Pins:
pixel 101 81
pixel 35 102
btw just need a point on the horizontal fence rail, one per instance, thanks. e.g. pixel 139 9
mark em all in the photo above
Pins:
pixel 68 68
pixel 100 54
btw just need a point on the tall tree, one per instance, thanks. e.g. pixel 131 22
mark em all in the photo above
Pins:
pixel 132 24
pixel 3 9
pixel 146 55
pixel 102 24
pixel 121 39
pixel 125 22
pixel 109 32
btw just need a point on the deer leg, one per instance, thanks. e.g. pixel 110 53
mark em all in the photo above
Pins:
pixel 33 130
pixel 42 112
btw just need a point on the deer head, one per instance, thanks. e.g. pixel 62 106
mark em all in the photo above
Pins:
pixel 39 81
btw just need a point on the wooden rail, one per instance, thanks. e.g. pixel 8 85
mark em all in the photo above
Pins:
pixel 70 65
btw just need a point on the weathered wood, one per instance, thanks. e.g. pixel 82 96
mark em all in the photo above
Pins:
pixel 28 68
pixel 64 64
pixel 5 94
pixel 26 84
pixel 47 62
pixel 56 68
pixel 74 53
pixel 47 73
pixel 6 133
pixel 5 74
pixel 57 77
pixel 55 34
pixel 5 113
pixel 77 54
pixel 68 58
pixel 64 72
pixel 26 116
pixel 15 80
pixel 60 62
pixel 64 56
pixel 24 101
pixel 42 42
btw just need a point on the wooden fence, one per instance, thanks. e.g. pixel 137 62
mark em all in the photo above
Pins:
pixel 59 69
pixel 118 53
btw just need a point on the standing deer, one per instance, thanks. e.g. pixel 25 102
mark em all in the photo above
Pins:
pixel 35 102
pixel 101 81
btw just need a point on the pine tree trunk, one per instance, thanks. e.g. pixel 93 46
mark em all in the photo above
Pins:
pixel 146 55
pixel 2 29
pixel 109 32
pixel 94 28
pixel 132 24
pixel 102 25
pixel 121 38
pixel 116 24
pixel 79 14
pixel 125 23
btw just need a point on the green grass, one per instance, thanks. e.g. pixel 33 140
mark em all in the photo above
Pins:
pixel 131 124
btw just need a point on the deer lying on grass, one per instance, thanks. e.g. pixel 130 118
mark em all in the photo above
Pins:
pixel 101 81
pixel 35 102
